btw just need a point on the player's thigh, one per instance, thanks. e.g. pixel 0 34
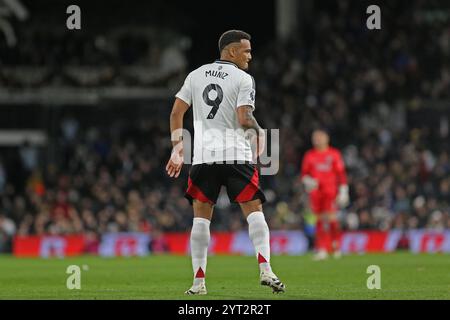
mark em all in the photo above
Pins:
pixel 316 203
pixel 329 203
pixel 243 187
pixel 204 184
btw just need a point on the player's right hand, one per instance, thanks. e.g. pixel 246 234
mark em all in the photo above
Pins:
pixel 176 161
pixel 309 183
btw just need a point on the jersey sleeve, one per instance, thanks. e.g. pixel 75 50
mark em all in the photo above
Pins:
pixel 247 92
pixel 339 168
pixel 185 92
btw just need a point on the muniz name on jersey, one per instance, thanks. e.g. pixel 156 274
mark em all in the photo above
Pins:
pixel 215 91
pixel 215 73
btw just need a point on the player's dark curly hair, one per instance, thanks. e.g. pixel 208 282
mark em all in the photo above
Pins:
pixel 231 36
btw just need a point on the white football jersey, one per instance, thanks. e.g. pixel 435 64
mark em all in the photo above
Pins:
pixel 215 91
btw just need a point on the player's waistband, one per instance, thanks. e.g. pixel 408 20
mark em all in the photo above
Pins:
pixel 232 162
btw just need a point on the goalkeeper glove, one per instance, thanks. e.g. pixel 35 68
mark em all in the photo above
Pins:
pixel 310 183
pixel 343 197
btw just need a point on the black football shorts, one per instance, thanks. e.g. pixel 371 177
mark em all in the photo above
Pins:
pixel 241 182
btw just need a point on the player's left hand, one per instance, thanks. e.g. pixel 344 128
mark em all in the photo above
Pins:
pixel 260 143
pixel 176 161
pixel 343 197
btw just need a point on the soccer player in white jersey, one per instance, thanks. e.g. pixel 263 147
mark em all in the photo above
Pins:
pixel 222 96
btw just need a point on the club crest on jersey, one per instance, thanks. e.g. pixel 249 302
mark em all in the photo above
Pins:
pixel 218 74
pixel 325 166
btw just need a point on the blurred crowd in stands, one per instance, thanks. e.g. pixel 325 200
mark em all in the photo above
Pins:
pixel 362 85
pixel 123 56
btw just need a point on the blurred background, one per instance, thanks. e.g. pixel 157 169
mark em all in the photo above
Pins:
pixel 84 121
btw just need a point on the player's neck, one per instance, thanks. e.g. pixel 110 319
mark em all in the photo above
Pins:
pixel 227 59
pixel 322 149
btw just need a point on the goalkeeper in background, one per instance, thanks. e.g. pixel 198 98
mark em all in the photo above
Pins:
pixel 324 178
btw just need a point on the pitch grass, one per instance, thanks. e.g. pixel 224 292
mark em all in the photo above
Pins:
pixel 403 276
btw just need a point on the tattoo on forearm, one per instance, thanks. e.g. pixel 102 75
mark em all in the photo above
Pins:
pixel 251 122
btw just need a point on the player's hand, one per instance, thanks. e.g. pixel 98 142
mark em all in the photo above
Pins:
pixel 176 161
pixel 259 143
pixel 343 197
pixel 309 183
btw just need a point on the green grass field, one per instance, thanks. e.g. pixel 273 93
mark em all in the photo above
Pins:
pixel 403 276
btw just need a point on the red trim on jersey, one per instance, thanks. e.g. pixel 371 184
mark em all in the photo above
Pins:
pixel 261 259
pixel 250 189
pixel 196 193
pixel 200 273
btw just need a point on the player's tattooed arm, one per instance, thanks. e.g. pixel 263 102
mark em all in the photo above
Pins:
pixel 248 122
pixel 247 119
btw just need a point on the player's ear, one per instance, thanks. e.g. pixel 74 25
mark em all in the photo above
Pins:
pixel 232 50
